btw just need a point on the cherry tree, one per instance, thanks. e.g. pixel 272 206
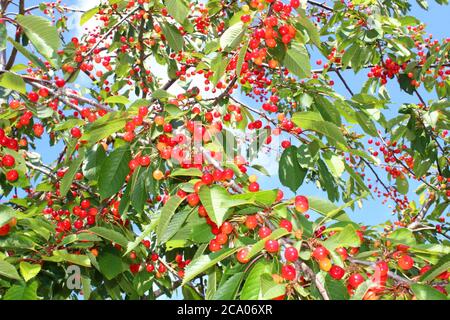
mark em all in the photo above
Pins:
pixel 155 117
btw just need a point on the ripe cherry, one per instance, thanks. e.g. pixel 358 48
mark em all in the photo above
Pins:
pixel 75 132
pixel 241 255
pixel 382 268
pixel 291 254
pixel 251 222
pixel 214 246
pixel 355 280
pixel 8 161
pixel 226 227
pixel 405 262
pixel 193 199
pixel 272 246
pixel 264 232
pixel 60 83
pixel 253 187
pixel 144 161
pixel 33 96
pixel 4 230
pixel 336 272
pixel 320 253
pixel 207 178
pixel 288 272
pixel 301 204
pixel 12 175
pixel 286 224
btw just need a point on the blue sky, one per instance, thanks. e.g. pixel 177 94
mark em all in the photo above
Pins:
pixel 372 212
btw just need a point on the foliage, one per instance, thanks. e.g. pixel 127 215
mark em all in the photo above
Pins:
pixel 151 191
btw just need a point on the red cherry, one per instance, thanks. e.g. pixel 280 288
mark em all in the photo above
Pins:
pixel 60 83
pixel 144 161
pixel 355 280
pixel 12 175
pixel 424 269
pixel 33 96
pixel 301 204
pixel 251 222
pixel 382 267
pixel 85 204
pixel 272 246
pixel 264 232
pixel 241 255
pixel 320 253
pixel 8 161
pixel 78 224
pixel 193 199
pixel 75 132
pixel 405 262
pixel 286 224
pixel 214 246
pixel 207 178
pixel 336 272
pixel 226 227
pixel 291 254
pixel 167 128
pixel 253 187
pixel 4 230
pixel 288 272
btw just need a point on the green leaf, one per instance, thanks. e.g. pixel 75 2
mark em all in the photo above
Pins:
pixel 8 270
pixel 259 246
pixel 111 263
pixel 63 255
pixel 310 27
pixel 361 291
pixel 252 286
pixel 326 207
pixel 347 237
pixel 313 121
pixel 228 290
pixel 402 184
pixel 117 100
pixel 67 180
pixel 43 36
pixel 28 270
pixel 85 17
pixel 424 292
pixel 3 36
pixel 442 266
pixel 167 213
pixel 402 236
pixel 290 172
pixel 173 36
pixel 27 54
pixel 191 172
pixel 94 159
pixel 114 171
pixel 178 9
pixel 266 198
pixel 204 262
pixel 241 58
pixel 217 201
pixel 232 36
pixel 111 235
pixel 297 60
pixel 13 82
pixel 22 292
pixel 104 127
pixel 270 289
